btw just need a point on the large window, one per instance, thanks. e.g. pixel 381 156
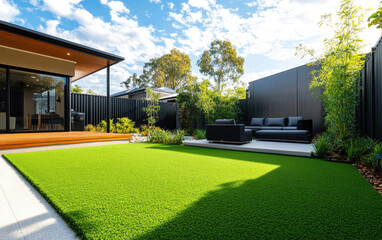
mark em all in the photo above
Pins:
pixel 3 98
pixel 37 101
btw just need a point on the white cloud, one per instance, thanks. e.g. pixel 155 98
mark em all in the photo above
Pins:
pixel 204 4
pixel 8 10
pixel 121 35
pixel 273 30
pixel 251 4
pixel 155 1
pixel 62 7
pixel 170 5
pixel 34 2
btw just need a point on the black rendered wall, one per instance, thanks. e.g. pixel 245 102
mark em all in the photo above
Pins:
pixel 285 94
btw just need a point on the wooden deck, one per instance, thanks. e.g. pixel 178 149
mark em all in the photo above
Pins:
pixel 20 140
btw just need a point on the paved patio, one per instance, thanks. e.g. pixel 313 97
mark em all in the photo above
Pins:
pixel 283 148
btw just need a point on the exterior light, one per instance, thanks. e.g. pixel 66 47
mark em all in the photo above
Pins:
pixel 33 76
pixel 68 54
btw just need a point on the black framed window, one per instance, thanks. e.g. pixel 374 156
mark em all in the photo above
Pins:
pixel 37 101
pixel 3 100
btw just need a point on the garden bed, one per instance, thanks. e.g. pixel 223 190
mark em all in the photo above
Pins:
pixel 372 176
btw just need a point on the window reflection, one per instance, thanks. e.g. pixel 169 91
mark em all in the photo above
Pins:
pixel 37 101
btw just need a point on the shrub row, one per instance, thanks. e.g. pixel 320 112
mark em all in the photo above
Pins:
pixel 123 125
pixel 165 136
pixel 357 149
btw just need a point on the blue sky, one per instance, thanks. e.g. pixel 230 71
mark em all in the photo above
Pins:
pixel 265 32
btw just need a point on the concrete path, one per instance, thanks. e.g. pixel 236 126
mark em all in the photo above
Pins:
pixel 283 148
pixel 24 214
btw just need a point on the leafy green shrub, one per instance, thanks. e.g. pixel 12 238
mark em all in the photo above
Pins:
pixel 359 148
pixel 125 125
pixel 165 136
pixel 102 126
pixel 322 145
pixel 373 161
pixel 200 134
pixel 89 128
pixel 146 129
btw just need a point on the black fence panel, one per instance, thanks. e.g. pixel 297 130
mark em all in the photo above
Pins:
pixel 94 108
pixel 285 94
pixel 370 120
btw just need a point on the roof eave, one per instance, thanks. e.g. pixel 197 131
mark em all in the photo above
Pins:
pixel 12 28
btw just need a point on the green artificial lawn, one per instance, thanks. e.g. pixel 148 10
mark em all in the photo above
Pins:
pixel 157 191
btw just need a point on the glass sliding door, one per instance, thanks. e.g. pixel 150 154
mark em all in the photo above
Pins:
pixel 37 101
pixel 3 99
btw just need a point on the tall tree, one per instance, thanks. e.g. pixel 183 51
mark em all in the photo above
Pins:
pixel 153 108
pixel 172 70
pixel 375 19
pixel 337 81
pixel 221 63
pixel 77 89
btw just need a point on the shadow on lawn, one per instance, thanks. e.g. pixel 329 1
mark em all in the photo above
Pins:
pixel 292 201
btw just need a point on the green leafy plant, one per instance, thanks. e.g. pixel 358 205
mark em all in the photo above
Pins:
pixel 172 70
pixel 102 126
pixel 165 136
pixel 200 134
pixel 322 145
pixel 221 63
pixel 375 19
pixel 187 105
pixel 89 128
pixel 359 148
pixel 146 129
pixel 337 81
pixel 374 159
pixel 153 108
pixel 125 125
pixel 77 89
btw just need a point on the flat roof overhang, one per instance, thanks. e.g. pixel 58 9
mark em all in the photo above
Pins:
pixel 88 60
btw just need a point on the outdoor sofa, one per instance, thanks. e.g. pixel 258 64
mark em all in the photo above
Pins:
pixel 227 131
pixel 291 129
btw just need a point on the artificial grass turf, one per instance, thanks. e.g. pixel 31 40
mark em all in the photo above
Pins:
pixel 157 191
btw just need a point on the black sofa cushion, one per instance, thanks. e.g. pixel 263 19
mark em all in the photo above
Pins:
pixel 292 121
pixel 263 128
pixel 285 135
pixel 225 121
pixel 283 132
pixel 290 128
pixel 257 122
pixel 275 122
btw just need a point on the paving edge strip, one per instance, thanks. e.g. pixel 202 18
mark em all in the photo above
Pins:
pixel 44 200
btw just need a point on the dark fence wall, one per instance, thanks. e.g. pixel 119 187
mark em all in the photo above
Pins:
pixel 285 94
pixel 94 108
pixel 370 120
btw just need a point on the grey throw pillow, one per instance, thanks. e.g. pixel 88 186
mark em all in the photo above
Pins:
pixel 275 122
pixel 292 121
pixel 225 121
pixel 257 122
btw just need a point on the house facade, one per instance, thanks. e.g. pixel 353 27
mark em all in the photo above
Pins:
pixel 140 93
pixel 36 72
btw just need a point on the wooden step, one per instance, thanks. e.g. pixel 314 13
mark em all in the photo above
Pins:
pixel 20 140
